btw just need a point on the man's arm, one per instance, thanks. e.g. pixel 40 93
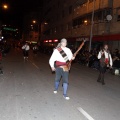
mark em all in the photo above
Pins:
pixel 52 60
pixel 23 47
pixel 100 54
pixel 111 62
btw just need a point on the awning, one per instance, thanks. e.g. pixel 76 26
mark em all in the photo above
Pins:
pixel 81 38
pixel 114 37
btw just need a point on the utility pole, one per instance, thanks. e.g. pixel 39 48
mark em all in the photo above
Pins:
pixel 92 23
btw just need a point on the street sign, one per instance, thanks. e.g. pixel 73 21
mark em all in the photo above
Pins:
pixel 9 29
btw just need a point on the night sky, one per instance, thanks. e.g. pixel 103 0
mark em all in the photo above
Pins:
pixel 17 9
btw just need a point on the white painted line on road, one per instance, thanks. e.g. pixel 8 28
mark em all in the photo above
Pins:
pixel 35 65
pixel 85 114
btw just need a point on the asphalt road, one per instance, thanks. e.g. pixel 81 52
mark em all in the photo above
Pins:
pixel 26 92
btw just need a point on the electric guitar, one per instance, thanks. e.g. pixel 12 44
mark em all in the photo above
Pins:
pixel 74 55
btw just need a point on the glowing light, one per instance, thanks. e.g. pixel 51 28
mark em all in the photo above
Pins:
pixel 50 40
pixel 55 40
pixel 34 21
pixel 45 23
pixel 5 6
pixel 85 22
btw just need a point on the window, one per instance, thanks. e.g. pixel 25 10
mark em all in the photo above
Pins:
pixel 62 28
pixel 70 9
pixel 63 14
pixel 51 31
pixel 31 36
pixel 55 29
pixel 91 1
pixel 68 26
pixel 58 4
pixel 57 17
pixel 118 18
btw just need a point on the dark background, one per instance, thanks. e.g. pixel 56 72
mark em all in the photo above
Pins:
pixel 17 9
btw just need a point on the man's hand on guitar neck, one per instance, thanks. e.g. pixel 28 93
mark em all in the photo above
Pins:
pixel 73 58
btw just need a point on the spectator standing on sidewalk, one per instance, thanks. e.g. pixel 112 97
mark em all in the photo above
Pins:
pixel 25 49
pixel 105 60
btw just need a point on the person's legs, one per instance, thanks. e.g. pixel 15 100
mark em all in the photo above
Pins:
pixel 24 54
pixel 102 78
pixel 27 54
pixel 65 84
pixel 57 78
pixel 99 77
pixel 100 72
pixel 102 75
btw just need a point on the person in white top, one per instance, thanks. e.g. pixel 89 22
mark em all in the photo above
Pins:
pixel 58 63
pixel 35 49
pixel 105 59
pixel 26 49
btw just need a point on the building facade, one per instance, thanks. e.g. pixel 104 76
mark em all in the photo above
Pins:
pixel 31 27
pixel 73 20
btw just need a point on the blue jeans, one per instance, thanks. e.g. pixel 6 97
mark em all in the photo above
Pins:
pixel 60 73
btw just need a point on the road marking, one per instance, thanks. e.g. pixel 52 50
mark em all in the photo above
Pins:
pixel 85 114
pixel 35 65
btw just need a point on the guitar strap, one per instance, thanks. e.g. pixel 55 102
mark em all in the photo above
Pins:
pixel 63 54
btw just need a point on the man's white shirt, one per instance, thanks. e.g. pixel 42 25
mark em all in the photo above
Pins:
pixel 56 56
pixel 26 47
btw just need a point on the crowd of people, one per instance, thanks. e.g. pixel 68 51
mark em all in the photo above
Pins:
pixel 90 59
pixel 84 57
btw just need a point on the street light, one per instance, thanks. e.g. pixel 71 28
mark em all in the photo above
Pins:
pixel 5 6
pixel 85 22
pixel 92 22
pixel 34 21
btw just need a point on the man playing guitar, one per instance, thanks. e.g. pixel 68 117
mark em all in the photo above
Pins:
pixel 63 57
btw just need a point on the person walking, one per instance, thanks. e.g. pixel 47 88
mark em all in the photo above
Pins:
pixel 105 61
pixel 58 62
pixel 35 50
pixel 25 49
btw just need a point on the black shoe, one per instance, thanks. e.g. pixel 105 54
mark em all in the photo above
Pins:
pixel 103 83
pixel 98 81
pixel 1 72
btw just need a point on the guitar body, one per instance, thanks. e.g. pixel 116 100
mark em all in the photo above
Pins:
pixel 69 65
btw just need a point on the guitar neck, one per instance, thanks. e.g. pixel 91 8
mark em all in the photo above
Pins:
pixel 74 55
pixel 78 50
